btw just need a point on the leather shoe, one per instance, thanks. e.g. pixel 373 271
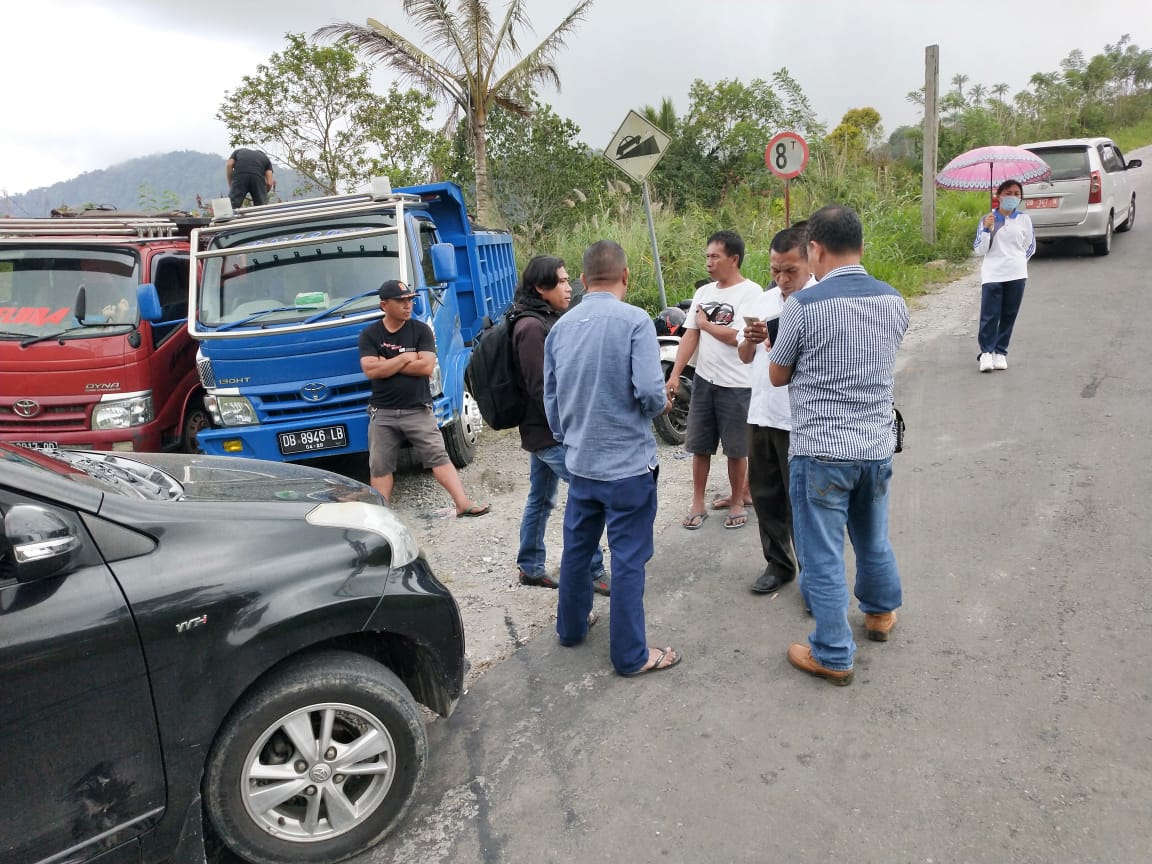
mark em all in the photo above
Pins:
pixel 771 580
pixel 800 656
pixel 878 626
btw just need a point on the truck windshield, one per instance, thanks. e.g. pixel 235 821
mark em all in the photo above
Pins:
pixel 38 290
pixel 274 276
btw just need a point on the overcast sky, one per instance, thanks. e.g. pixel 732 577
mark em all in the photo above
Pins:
pixel 92 84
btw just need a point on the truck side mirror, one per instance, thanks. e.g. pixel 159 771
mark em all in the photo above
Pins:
pixel 148 302
pixel 444 262
pixel 43 544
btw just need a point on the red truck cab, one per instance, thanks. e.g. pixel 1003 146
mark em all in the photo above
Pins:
pixel 109 367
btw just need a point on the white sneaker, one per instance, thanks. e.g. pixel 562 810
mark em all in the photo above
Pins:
pixel 999 361
pixel 986 363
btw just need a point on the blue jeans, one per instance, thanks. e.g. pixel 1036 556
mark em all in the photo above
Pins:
pixel 546 471
pixel 628 508
pixel 999 306
pixel 827 497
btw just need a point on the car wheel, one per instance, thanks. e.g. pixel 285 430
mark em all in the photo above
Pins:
pixel 195 422
pixel 673 426
pixel 317 764
pixel 1131 220
pixel 1104 245
pixel 461 435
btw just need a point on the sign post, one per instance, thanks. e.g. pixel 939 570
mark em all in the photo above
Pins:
pixel 635 149
pixel 786 156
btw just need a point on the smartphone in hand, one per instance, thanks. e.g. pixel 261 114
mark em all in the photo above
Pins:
pixel 751 320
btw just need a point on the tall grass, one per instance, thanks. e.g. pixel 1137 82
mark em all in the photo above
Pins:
pixel 893 247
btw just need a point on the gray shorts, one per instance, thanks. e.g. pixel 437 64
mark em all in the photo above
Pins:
pixel 390 428
pixel 718 415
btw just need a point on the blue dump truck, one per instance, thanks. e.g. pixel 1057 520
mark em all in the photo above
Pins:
pixel 284 291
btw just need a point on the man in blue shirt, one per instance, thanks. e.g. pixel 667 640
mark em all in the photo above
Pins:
pixel 602 386
pixel 836 349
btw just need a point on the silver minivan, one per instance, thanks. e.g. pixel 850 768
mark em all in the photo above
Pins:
pixel 1089 194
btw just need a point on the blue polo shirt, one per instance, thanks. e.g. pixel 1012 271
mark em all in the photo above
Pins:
pixel 602 386
pixel 841 336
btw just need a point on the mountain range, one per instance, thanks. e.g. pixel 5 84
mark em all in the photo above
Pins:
pixel 163 181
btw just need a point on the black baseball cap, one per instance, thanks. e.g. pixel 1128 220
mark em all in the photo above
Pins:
pixel 394 289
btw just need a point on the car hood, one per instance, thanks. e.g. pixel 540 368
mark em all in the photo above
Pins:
pixel 227 478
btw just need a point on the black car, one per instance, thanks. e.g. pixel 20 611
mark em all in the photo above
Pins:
pixel 196 647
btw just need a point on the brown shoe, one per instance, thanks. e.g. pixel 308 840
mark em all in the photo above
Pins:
pixel 800 656
pixel 878 626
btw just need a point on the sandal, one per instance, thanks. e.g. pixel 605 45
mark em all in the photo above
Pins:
pixel 739 520
pixel 725 502
pixel 693 521
pixel 474 510
pixel 659 665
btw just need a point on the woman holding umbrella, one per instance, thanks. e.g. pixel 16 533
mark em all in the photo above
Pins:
pixel 1006 239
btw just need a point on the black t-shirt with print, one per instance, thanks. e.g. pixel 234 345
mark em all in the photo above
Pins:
pixel 399 391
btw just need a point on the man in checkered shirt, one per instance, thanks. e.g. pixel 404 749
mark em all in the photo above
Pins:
pixel 836 349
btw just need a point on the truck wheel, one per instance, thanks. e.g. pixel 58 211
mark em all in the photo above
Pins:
pixel 673 426
pixel 195 421
pixel 317 764
pixel 461 434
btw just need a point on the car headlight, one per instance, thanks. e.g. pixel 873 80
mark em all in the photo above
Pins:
pixel 231 410
pixel 123 413
pixel 369 517
pixel 436 380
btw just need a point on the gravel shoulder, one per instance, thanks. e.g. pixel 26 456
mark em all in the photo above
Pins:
pixel 476 558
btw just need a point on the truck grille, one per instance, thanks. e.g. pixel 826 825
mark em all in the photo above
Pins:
pixel 51 418
pixel 289 405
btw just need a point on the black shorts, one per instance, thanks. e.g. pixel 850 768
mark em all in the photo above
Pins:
pixel 717 415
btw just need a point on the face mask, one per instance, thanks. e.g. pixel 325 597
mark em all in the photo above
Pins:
pixel 1009 203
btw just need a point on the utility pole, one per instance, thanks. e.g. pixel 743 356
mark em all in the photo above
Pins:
pixel 931 143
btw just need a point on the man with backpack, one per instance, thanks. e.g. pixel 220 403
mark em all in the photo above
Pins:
pixel 543 294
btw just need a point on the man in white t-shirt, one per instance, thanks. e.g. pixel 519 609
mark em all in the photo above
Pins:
pixel 769 414
pixel 718 413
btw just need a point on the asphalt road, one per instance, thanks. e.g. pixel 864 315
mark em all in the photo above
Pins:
pixel 1007 721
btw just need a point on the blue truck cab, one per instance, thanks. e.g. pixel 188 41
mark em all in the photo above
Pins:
pixel 284 291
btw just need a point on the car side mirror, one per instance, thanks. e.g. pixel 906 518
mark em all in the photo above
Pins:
pixel 43 543
pixel 1135 163
pixel 444 262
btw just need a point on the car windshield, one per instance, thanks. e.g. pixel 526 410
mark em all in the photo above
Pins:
pixel 103 471
pixel 286 278
pixel 38 288
pixel 1067 163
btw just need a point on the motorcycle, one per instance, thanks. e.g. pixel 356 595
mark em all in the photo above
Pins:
pixel 669 323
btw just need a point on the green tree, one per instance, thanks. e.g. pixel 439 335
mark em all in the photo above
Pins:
pixel 473 63
pixel 858 132
pixel 543 176
pixel 151 201
pixel 311 107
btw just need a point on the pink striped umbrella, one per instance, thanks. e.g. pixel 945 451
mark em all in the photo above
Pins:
pixel 988 167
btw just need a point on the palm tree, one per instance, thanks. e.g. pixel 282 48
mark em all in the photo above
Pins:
pixel 978 91
pixel 472 63
pixel 960 79
pixel 663 117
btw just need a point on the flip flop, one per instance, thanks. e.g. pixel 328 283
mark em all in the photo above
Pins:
pixel 475 510
pixel 592 619
pixel 724 503
pixel 737 521
pixel 693 521
pixel 657 667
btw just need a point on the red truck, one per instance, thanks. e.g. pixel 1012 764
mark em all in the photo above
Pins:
pixel 94 348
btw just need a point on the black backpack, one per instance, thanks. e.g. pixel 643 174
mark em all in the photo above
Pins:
pixel 493 377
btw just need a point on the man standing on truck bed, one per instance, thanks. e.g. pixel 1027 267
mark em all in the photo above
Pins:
pixel 398 355
pixel 249 172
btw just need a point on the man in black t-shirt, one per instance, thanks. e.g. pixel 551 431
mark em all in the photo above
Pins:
pixel 398 356
pixel 249 172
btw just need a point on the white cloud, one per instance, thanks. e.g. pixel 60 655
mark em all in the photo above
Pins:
pixel 109 81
